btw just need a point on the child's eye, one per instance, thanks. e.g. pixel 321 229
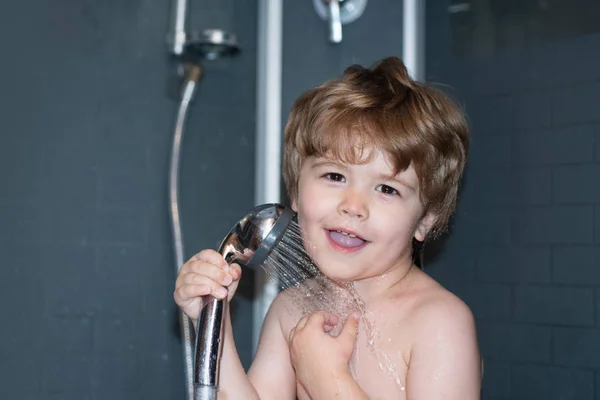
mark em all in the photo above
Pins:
pixel 385 189
pixel 333 176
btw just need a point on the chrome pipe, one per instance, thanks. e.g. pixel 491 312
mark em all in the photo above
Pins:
pixel 177 36
pixel 413 38
pixel 335 22
pixel 268 139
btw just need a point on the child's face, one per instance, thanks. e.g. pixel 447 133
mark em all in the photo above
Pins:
pixel 358 221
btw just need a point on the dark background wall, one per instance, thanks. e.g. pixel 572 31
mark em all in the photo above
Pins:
pixel 88 101
pixel 524 251
pixel 88 104
pixel 308 58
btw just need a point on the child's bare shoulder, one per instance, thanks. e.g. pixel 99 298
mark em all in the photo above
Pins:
pixel 442 328
pixel 434 305
pixel 438 314
pixel 286 309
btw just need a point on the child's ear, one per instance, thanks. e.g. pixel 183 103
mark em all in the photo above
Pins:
pixel 424 226
pixel 294 206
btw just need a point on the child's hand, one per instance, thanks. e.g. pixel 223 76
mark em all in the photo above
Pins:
pixel 206 273
pixel 318 357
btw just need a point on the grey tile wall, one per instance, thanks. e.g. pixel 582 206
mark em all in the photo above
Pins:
pixel 534 116
pixel 87 110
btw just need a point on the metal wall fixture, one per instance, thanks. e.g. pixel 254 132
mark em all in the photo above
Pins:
pixel 338 13
pixel 268 139
pixel 413 38
pixel 191 50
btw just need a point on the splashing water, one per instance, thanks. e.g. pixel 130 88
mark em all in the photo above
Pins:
pixel 292 269
pixel 290 266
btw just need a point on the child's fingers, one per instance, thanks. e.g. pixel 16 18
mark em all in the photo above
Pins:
pixel 187 292
pixel 323 319
pixel 235 271
pixel 328 327
pixel 217 278
pixel 302 323
pixel 199 269
pixel 350 330
pixel 211 257
pixel 195 285
pixel 291 335
pixel 331 319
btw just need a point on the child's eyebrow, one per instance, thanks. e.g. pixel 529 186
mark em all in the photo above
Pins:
pixel 402 182
pixel 326 163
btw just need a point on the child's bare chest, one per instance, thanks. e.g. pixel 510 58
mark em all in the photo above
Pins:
pixel 380 360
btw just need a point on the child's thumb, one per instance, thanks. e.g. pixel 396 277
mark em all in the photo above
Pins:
pixel 350 330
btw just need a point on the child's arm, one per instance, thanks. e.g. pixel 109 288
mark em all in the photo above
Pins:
pixel 444 361
pixel 207 273
pixel 271 372
pixel 270 377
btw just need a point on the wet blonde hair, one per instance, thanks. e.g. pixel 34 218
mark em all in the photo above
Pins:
pixel 382 107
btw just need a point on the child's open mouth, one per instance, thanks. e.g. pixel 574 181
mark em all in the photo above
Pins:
pixel 344 241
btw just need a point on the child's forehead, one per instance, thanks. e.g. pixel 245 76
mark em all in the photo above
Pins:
pixel 355 154
pixel 380 159
pixel 345 152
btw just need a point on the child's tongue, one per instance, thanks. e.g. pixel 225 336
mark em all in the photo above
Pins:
pixel 345 240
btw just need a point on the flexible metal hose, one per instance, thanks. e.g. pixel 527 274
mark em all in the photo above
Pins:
pixel 193 74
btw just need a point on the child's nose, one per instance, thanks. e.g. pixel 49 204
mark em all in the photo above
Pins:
pixel 354 204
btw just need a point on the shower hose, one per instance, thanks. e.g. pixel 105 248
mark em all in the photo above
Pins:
pixel 193 75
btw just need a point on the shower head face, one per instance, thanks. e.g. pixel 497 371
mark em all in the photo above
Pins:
pixel 253 237
pixel 211 44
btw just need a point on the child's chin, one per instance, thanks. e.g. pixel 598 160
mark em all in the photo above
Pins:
pixel 333 269
pixel 338 274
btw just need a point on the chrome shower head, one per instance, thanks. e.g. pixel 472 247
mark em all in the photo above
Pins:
pixel 248 243
pixel 211 44
pixel 253 237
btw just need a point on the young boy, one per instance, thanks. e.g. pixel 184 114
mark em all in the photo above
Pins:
pixel 372 161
